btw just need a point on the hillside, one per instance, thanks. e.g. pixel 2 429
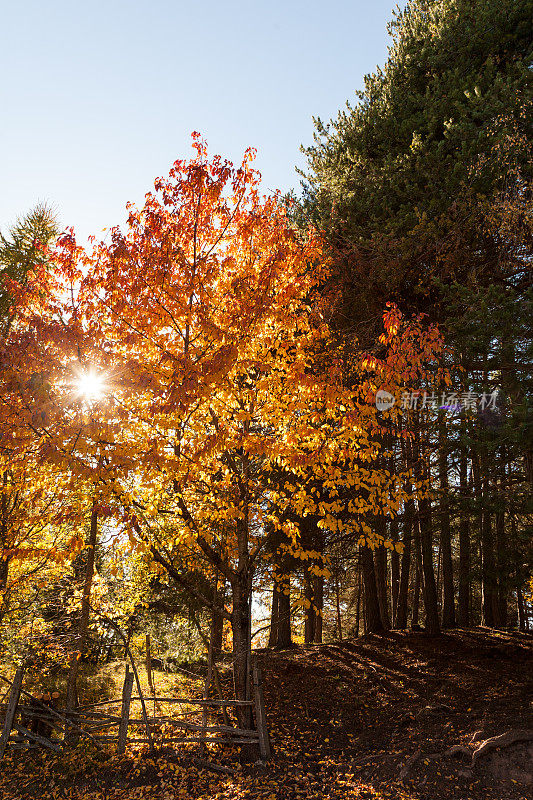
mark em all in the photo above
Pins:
pixel 352 716
pixel 371 718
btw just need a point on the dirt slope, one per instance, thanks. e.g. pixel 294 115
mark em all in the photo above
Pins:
pixel 371 718
pixel 370 707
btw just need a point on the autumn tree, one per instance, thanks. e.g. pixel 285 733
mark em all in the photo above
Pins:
pixel 217 374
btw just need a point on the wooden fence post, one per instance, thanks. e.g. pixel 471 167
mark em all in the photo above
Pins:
pixel 260 717
pixel 125 713
pixel 149 664
pixel 11 710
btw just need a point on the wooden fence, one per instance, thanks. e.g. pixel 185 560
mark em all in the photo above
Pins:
pixel 31 722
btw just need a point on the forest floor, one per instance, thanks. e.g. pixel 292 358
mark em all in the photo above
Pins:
pixel 370 718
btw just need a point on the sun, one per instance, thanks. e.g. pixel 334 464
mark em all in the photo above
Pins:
pixel 91 385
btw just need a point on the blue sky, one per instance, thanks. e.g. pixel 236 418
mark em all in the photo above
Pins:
pixel 99 98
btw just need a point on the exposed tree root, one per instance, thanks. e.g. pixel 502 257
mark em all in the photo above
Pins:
pixel 410 763
pixel 458 750
pixel 504 740
pixel 494 743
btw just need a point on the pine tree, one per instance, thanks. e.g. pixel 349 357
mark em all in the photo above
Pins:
pixel 21 251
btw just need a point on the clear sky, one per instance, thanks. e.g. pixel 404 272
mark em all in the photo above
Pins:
pixel 99 98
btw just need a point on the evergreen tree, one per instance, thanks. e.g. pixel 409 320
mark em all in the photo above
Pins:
pixel 423 189
pixel 393 179
pixel 22 250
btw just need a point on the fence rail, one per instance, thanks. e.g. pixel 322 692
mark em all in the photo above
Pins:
pixel 41 725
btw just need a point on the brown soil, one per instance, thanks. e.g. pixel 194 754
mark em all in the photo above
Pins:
pixel 360 711
pixel 371 718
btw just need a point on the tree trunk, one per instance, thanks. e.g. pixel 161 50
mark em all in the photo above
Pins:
pixel 72 689
pixel 284 615
pixel 359 593
pixel 501 556
pixel 439 591
pixel 448 600
pixel 319 606
pixel 380 566
pixel 522 620
pixel 280 618
pixel 373 621
pixel 403 593
pixel 416 599
pixel 423 531
pixel 4 546
pixel 241 619
pixel 338 605
pixel 217 620
pixel 429 588
pixel 395 571
pixel 4 577
pixel 4 572
pixel 309 611
pixel 426 571
pixel 488 565
pixel 501 544
pixel 464 541
pixel 313 539
pixel 274 616
pixel 240 627
pixel 149 664
pixel 319 588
